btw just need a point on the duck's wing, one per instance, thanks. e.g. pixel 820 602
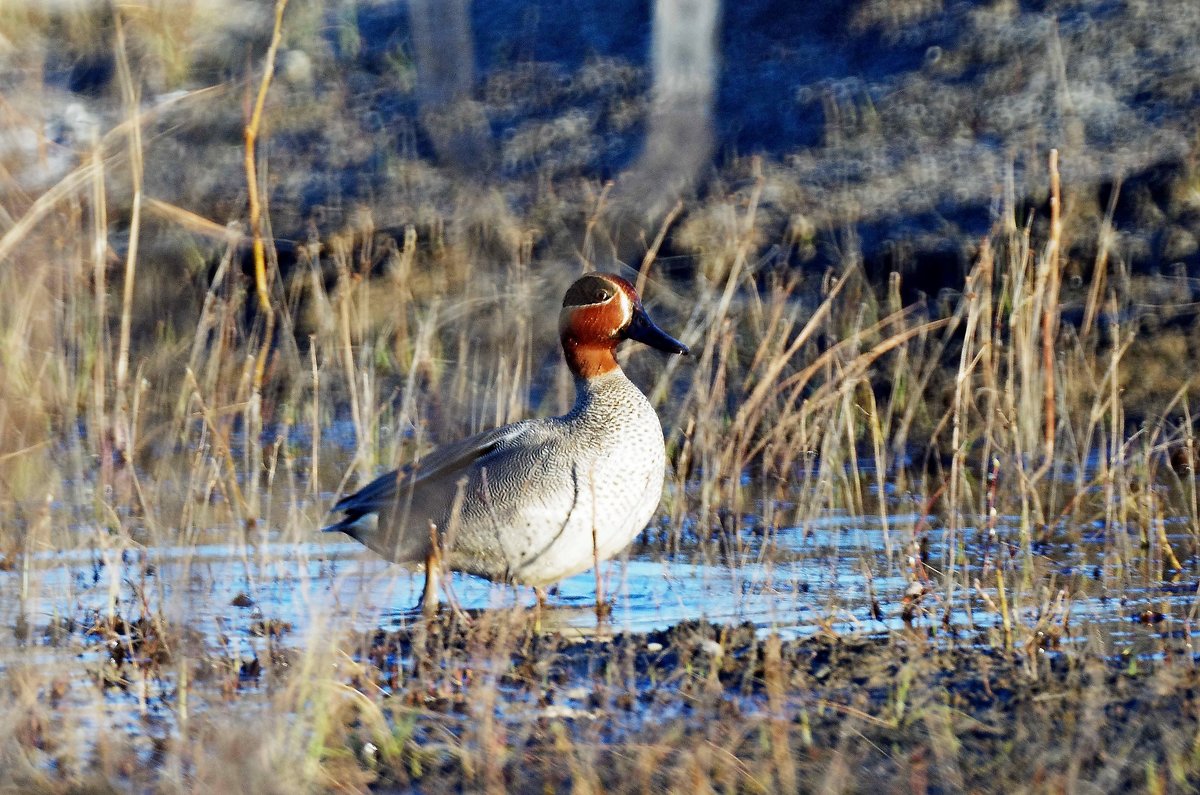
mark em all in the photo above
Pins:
pixel 428 479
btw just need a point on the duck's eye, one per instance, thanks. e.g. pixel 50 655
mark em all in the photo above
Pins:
pixel 589 290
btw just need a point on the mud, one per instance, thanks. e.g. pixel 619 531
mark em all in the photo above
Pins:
pixel 899 710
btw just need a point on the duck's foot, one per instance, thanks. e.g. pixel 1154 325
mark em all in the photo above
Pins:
pixel 604 609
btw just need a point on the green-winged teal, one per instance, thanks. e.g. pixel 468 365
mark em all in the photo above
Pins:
pixel 542 499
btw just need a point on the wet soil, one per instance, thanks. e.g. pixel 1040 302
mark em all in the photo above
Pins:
pixel 504 697
pixel 907 710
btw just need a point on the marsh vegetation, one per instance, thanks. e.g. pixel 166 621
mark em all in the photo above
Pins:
pixel 931 519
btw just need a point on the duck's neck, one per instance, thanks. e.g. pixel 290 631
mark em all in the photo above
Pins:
pixel 589 359
pixel 601 394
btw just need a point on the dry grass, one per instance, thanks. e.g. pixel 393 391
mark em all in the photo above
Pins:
pixel 174 411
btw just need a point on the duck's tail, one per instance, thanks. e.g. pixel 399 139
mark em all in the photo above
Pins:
pixel 354 525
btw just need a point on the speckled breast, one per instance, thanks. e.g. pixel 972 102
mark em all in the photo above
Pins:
pixel 581 496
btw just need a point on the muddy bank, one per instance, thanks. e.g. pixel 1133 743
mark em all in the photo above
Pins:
pixel 294 688
pixel 905 711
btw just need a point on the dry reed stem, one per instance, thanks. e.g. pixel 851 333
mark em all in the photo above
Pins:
pixel 256 221
pixel 96 427
pixel 1100 268
pixel 652 252
pixel 131 102
pixel 222 442
pixel 751 408
pixel 1050 306
pixel 186 219
pixel 586 252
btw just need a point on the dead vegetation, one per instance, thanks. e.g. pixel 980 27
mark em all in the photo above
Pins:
pixel 1006 465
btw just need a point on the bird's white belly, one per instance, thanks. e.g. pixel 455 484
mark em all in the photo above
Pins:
pixel 553 505
pixel 563 514
pixel 601 520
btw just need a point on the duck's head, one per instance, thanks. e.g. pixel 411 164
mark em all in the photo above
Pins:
pixel 599 311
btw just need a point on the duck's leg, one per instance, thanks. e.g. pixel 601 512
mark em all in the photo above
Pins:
pixel 600 605
pixel 429 595
pixel 433 565
pixel 539 606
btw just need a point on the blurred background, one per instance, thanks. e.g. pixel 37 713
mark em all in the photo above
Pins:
pixel 892 128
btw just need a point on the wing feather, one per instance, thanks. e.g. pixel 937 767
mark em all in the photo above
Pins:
pixel 432 479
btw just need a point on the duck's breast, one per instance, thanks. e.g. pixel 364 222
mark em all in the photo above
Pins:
pixel 597 491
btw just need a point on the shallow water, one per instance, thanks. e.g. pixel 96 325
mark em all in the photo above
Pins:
pixel 831 576
pixel 243 613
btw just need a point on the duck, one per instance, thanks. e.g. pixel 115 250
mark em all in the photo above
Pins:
pixel 536 501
